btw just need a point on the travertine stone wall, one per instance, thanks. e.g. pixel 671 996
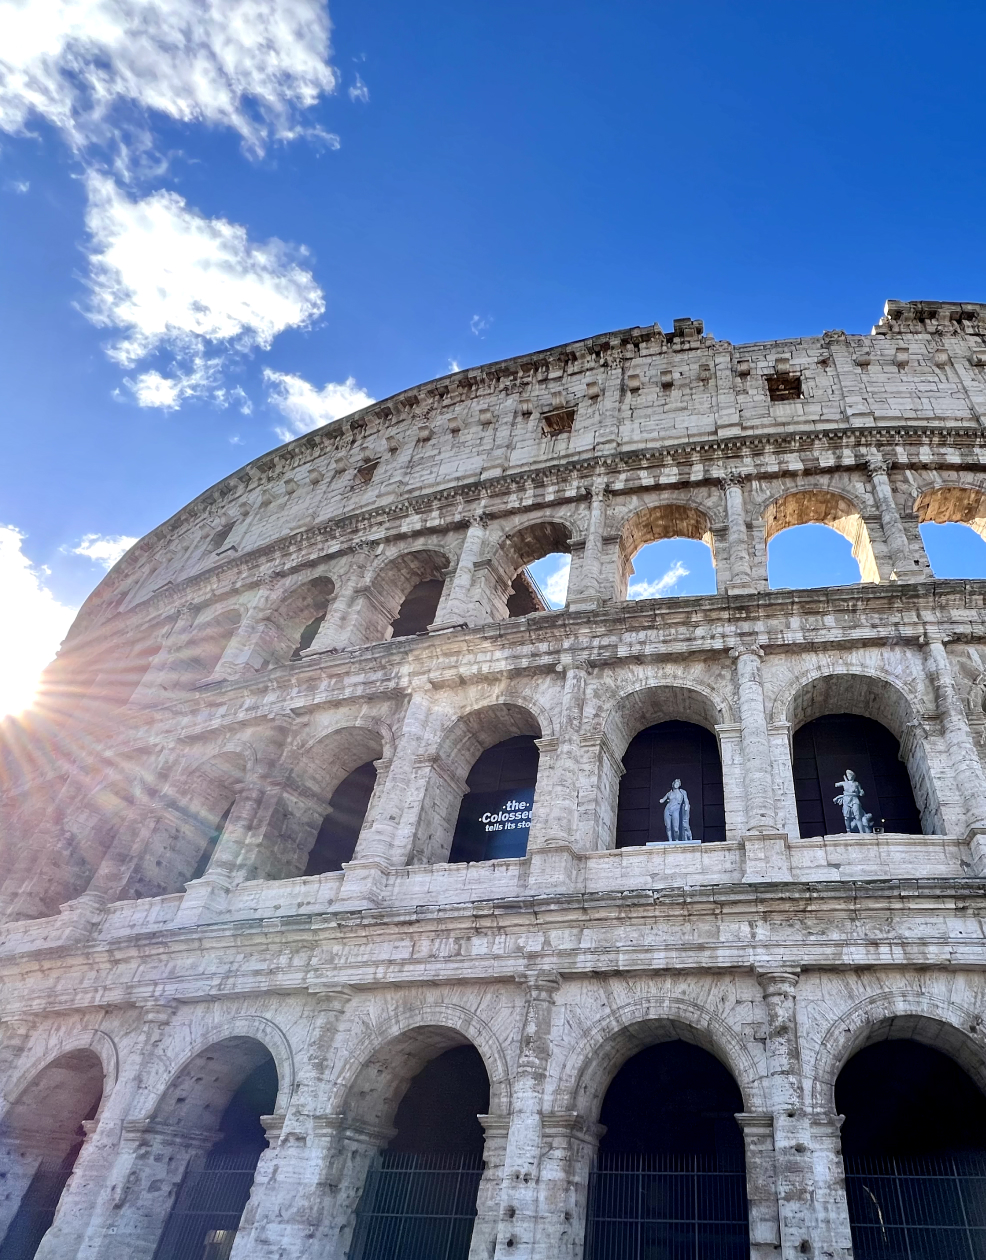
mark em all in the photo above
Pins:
pixel 182 691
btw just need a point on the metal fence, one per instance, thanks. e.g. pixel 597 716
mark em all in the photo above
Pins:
pixel 36 1211
pixel 666 1207
pixel 206 1214
pixel 417 1207
pixel 917 1208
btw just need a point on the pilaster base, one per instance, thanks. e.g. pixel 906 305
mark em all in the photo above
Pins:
pixel 204 901
pixel 767 857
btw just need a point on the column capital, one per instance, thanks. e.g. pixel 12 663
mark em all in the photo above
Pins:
pixel 746 649
pixel 877 464
pixel 729 480
pixel 756 1122
pixel 542 985
pixel 779 982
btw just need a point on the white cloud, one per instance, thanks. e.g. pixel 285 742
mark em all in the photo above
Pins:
pixel 660 586
pixel 169 278
pixel 479 325
pixel 32 626
pixel 359 91
pixel 306 407
pixel 551 574
pixel 104 549
pixel 91 67
pixel 453 366
pixel 20 186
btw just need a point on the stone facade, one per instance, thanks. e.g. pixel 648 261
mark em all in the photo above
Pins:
pixel 182 690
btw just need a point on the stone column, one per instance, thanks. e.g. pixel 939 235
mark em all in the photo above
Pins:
pixel 236 658
pixel 335 631
pixel 486 1230
pixel 156 678
pixel 456 608
pixel 794 1174
pixel 831 1206
pixel 740 569
pixel 384 844
pixel 761 1180
pixel 905 567
pixel 967 769
pixel 517 1234
pixel 347 1150
pixel 570 1143
pixel 587 587
pixel 291 1209
pixel 551 845
pixel 767 855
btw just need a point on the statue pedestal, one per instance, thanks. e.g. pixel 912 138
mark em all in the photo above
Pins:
pixel 767 857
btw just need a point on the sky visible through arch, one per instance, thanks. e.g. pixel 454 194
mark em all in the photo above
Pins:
pixel 224 222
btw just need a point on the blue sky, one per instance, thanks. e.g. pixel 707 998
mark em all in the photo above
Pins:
pixel 262 224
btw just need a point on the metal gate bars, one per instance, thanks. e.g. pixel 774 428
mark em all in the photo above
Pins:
pixel 210 1201
pixel 36 1211
pixel 417 1207
pixel 666 1207
pixel 929 1207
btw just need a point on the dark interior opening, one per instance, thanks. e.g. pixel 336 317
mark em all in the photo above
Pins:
pixel 337 836
pixel 654 759
pixel 307 637
pixel 495 814
pixel 828 746
pixel 202 865
pixel 241 1133
pixel 525 597
pixel 783 386
pixel 418 610
pixel 437 1115
pixel 914 1147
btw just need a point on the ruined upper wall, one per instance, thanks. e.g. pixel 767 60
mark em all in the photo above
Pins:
pixel 640 389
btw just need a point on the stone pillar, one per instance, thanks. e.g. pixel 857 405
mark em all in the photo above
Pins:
pixel 740 569
pixel 767 854
pixel 346 1153
pixel 570 1143
pixel 831 1206
pixel 236 659
pixel 486 1230
pixel 384 845
pixel 779 734
pixel 335 631
pixel 967 768
pixel 587 587
pixel 761 1180
pixel 551 845
pixel 132 835
pixel 794 1173
pixel 517 1235
pixel 456 607
pixel 904 566
pixel 163 665
pixel 291 1209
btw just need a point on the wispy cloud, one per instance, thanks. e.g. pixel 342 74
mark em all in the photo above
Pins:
pixel 33 624
pixel 19 186
pixel 551 574
pixel 478 324
pixel 359 91
pixel 96 69
pixel 306 408
pixel 103 549
pixel 453 366
pixel 660 586
pixel 167 278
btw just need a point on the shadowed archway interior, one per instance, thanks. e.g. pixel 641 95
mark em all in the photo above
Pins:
pixel 494 817
pixel 654 759
pixel 337 836
pixel 914 1146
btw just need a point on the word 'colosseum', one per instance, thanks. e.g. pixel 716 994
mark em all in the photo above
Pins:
pixel 359 903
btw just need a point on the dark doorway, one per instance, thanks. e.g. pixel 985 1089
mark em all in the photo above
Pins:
pixel 914 1146
pixel 495 815
pixel 419 1200
pixel 202 1224
pixel 418 610
pixel 209 850
pixel 829 746
pixel 654 759
pixel 337 836
pixel 670 1180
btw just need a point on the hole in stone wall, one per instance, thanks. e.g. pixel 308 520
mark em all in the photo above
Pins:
pixel 337 837
pixel 551 574
pixel 417 612
pixel 783 387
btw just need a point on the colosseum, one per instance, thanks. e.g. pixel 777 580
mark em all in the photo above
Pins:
pixel 358 903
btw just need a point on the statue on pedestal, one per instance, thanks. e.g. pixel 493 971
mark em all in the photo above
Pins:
pixel 676 813
pixel 851 800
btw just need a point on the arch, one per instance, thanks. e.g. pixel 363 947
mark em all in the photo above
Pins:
pixel 953 504
pixel 633 1026
pixel 951 552
pixel 853 691
pixel 291 625
pixel 458 750
pixel 318 770
pixel 196 1093
pixel 388 588
pixel 378 1065
pixel 196 657
pixel 821 506
pixel 654 524
pixel 513 591
pixel 93 1039
pixel 945 1025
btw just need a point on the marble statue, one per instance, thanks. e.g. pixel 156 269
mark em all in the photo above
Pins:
pixel 851 800
pixel 676 814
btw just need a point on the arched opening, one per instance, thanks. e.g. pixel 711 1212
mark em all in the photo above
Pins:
pixel 953 528
pixel 666 550
pixel 213 1116
pixel 506 778
pixel 848 777
pixel 914 1146
pixel 533 567
pixel 194 661
pixel 317 823
pixel 209 848
pixel 337 836
pixel 802 548
pixel 299 618
pixel 670 1178
pixel 402 597
pixel 40 1139
pixel 495 813
pixel 419 1197
pixel 671 790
